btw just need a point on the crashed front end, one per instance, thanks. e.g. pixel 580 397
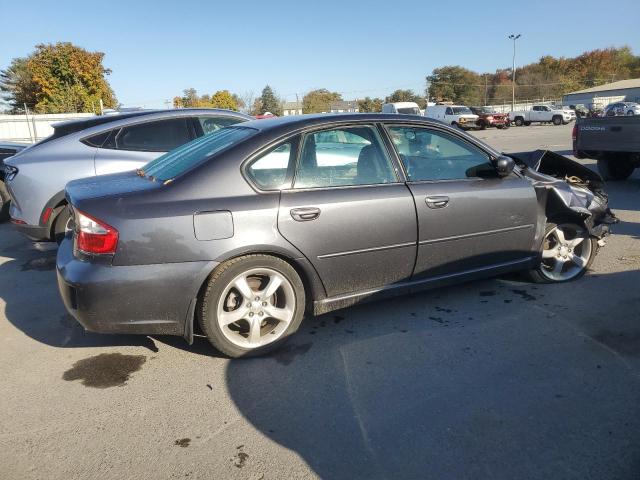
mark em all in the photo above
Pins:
pixel 565 188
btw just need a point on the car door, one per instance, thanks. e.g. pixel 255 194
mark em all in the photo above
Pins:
pixel 348 211
pixel 133 146
pixel 469 218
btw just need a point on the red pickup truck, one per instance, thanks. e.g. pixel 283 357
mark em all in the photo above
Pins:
pixel 488 117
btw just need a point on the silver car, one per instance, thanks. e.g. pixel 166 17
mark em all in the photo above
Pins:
pixel 621 108
pixel 36 177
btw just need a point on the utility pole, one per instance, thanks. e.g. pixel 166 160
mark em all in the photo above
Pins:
pixel 513 37
pixel 485 88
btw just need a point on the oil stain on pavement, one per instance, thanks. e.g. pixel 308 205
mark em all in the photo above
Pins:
pixel 183 442
pixel 41 264
pixel 105 370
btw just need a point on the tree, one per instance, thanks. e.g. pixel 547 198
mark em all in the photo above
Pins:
pixel 370 105
pixel 318 101
pixel 269 102
pixel 58 78
pixel 456 84
pixel 406 96
pixel 223 99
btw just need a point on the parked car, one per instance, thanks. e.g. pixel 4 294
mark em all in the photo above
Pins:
pixel 407 108
pixel 488 117
pixel 542 114
pixel 580 109
pixel 613 141
pixel 248 228
pixel 454 115
pixel 621 108
pixel 7 149
pixel 570 111
pixel 96 146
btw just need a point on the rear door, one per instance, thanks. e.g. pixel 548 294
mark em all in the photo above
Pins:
pixel 133 146
pixel 348 211
pixel 469 218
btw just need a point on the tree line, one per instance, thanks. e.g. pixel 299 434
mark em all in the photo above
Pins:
pixel 63 77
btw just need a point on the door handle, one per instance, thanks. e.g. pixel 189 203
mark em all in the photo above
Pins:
pixel 305 214
pixel 437 201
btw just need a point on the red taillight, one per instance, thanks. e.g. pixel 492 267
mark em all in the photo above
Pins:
pixel 17 221
pixel 95 236
pixel 574 133
pixel 46 214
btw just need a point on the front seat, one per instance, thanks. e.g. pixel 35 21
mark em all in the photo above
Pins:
pixel 368 164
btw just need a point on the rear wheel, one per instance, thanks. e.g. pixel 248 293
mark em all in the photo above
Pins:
pixel 519 121
pixel 615 168
pixel 5 201
pixel 251 305
pixel 527 124
pixel 630 113
pixel 567 253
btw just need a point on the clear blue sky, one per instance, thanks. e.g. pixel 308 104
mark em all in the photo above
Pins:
pixel 158 48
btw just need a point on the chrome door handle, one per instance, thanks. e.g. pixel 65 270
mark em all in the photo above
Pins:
pixel 305 214
pixel 437 201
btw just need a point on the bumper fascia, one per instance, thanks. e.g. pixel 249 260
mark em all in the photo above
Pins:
pixel 139 299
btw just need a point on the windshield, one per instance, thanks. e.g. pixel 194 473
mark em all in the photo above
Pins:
pixel 409 110
pixel 182 159
pixel 461 110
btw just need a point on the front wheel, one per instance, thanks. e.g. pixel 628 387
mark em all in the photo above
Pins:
pixel 251 305
pixel 567 252
pixel 630 113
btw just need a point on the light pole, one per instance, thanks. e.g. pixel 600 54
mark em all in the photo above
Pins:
pixel 513 37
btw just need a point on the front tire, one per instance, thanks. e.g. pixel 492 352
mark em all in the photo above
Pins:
pixel 251 305
pixel 519 121
pixel 557 121
pixel 567 253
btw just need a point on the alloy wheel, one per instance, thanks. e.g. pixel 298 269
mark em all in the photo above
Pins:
pixel 256 308
pixel 566 252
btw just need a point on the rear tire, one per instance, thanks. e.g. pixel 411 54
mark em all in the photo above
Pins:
pixel 615 168
pixel 241 315
pixel 527 124
pixel 519 121
pixel 630 113
pixel 5 202
pixel 567 253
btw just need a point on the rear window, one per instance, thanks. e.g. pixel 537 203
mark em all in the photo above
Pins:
pixel 184 158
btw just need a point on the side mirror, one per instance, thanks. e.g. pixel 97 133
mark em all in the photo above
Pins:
pixel 504 165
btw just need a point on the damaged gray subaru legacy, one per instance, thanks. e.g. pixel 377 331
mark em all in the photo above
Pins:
pixel 241 232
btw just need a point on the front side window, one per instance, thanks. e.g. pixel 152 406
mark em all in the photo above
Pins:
pixel 210 123
pixel 462 110
pixel 188 156
pixel 433 155
pixel 269 171
pixel 158 136
pixel 342 157
pixel 448 111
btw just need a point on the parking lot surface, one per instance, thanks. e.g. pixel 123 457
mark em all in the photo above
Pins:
pixel 492 379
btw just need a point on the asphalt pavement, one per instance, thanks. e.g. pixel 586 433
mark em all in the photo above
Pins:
pixel 496 379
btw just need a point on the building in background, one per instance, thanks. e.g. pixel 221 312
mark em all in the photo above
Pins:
pixel 603 95
pixel 344 106
pixel 291 108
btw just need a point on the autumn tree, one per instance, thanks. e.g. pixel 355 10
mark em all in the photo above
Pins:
pixel 454 83
pixel 223 99
pixel 269 102
pixel 318 101
pixel 369 104
pixel 56 78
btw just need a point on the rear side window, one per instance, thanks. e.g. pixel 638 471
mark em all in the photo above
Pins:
pixel 186 157
pixel 269 171
pixel 210 124
pixel 97 140
pixel 158 136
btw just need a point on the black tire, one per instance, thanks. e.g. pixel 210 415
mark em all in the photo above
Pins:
pixel 615 168
pixel 527 124
pixel 60 225
pixel 483 125
pixel 536 275
pixel 557 120
pixel 630 113
pixel 519 121
pixel 455 125
pixel 215 288
pixel 507 124
pixel 5 202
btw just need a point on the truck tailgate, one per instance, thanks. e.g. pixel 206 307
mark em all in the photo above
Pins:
pixel 611 134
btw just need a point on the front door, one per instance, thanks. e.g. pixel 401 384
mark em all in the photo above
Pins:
pixel 469 218
pixel 347 211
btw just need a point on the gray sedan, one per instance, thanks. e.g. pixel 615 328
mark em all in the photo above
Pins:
pixel 36 177
pixel 245 230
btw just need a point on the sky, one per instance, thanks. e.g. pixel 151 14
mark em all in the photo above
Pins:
pixel 156 49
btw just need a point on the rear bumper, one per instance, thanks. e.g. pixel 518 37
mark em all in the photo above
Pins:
pixel 143 299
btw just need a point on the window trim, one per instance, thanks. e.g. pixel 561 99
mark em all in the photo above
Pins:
pixel 256 156
pixel 397 172
pixel 437 128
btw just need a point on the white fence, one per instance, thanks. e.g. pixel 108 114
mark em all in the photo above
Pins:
pixel 525 105
pixel 31 128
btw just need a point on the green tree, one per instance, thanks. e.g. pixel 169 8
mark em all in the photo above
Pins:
pixel 406 96
pixel 456 84
pixel 58 78
pixel 318 101
pixel 370 105
pixel 224 99
pixel 269 102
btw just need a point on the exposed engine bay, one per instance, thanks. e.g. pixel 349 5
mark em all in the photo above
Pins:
pixel 567 188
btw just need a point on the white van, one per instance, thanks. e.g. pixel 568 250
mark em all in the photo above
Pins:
pixel 408 108
pixel 455 115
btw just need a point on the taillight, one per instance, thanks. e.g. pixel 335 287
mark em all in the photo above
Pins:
pixel 574 133
pixel 94 236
